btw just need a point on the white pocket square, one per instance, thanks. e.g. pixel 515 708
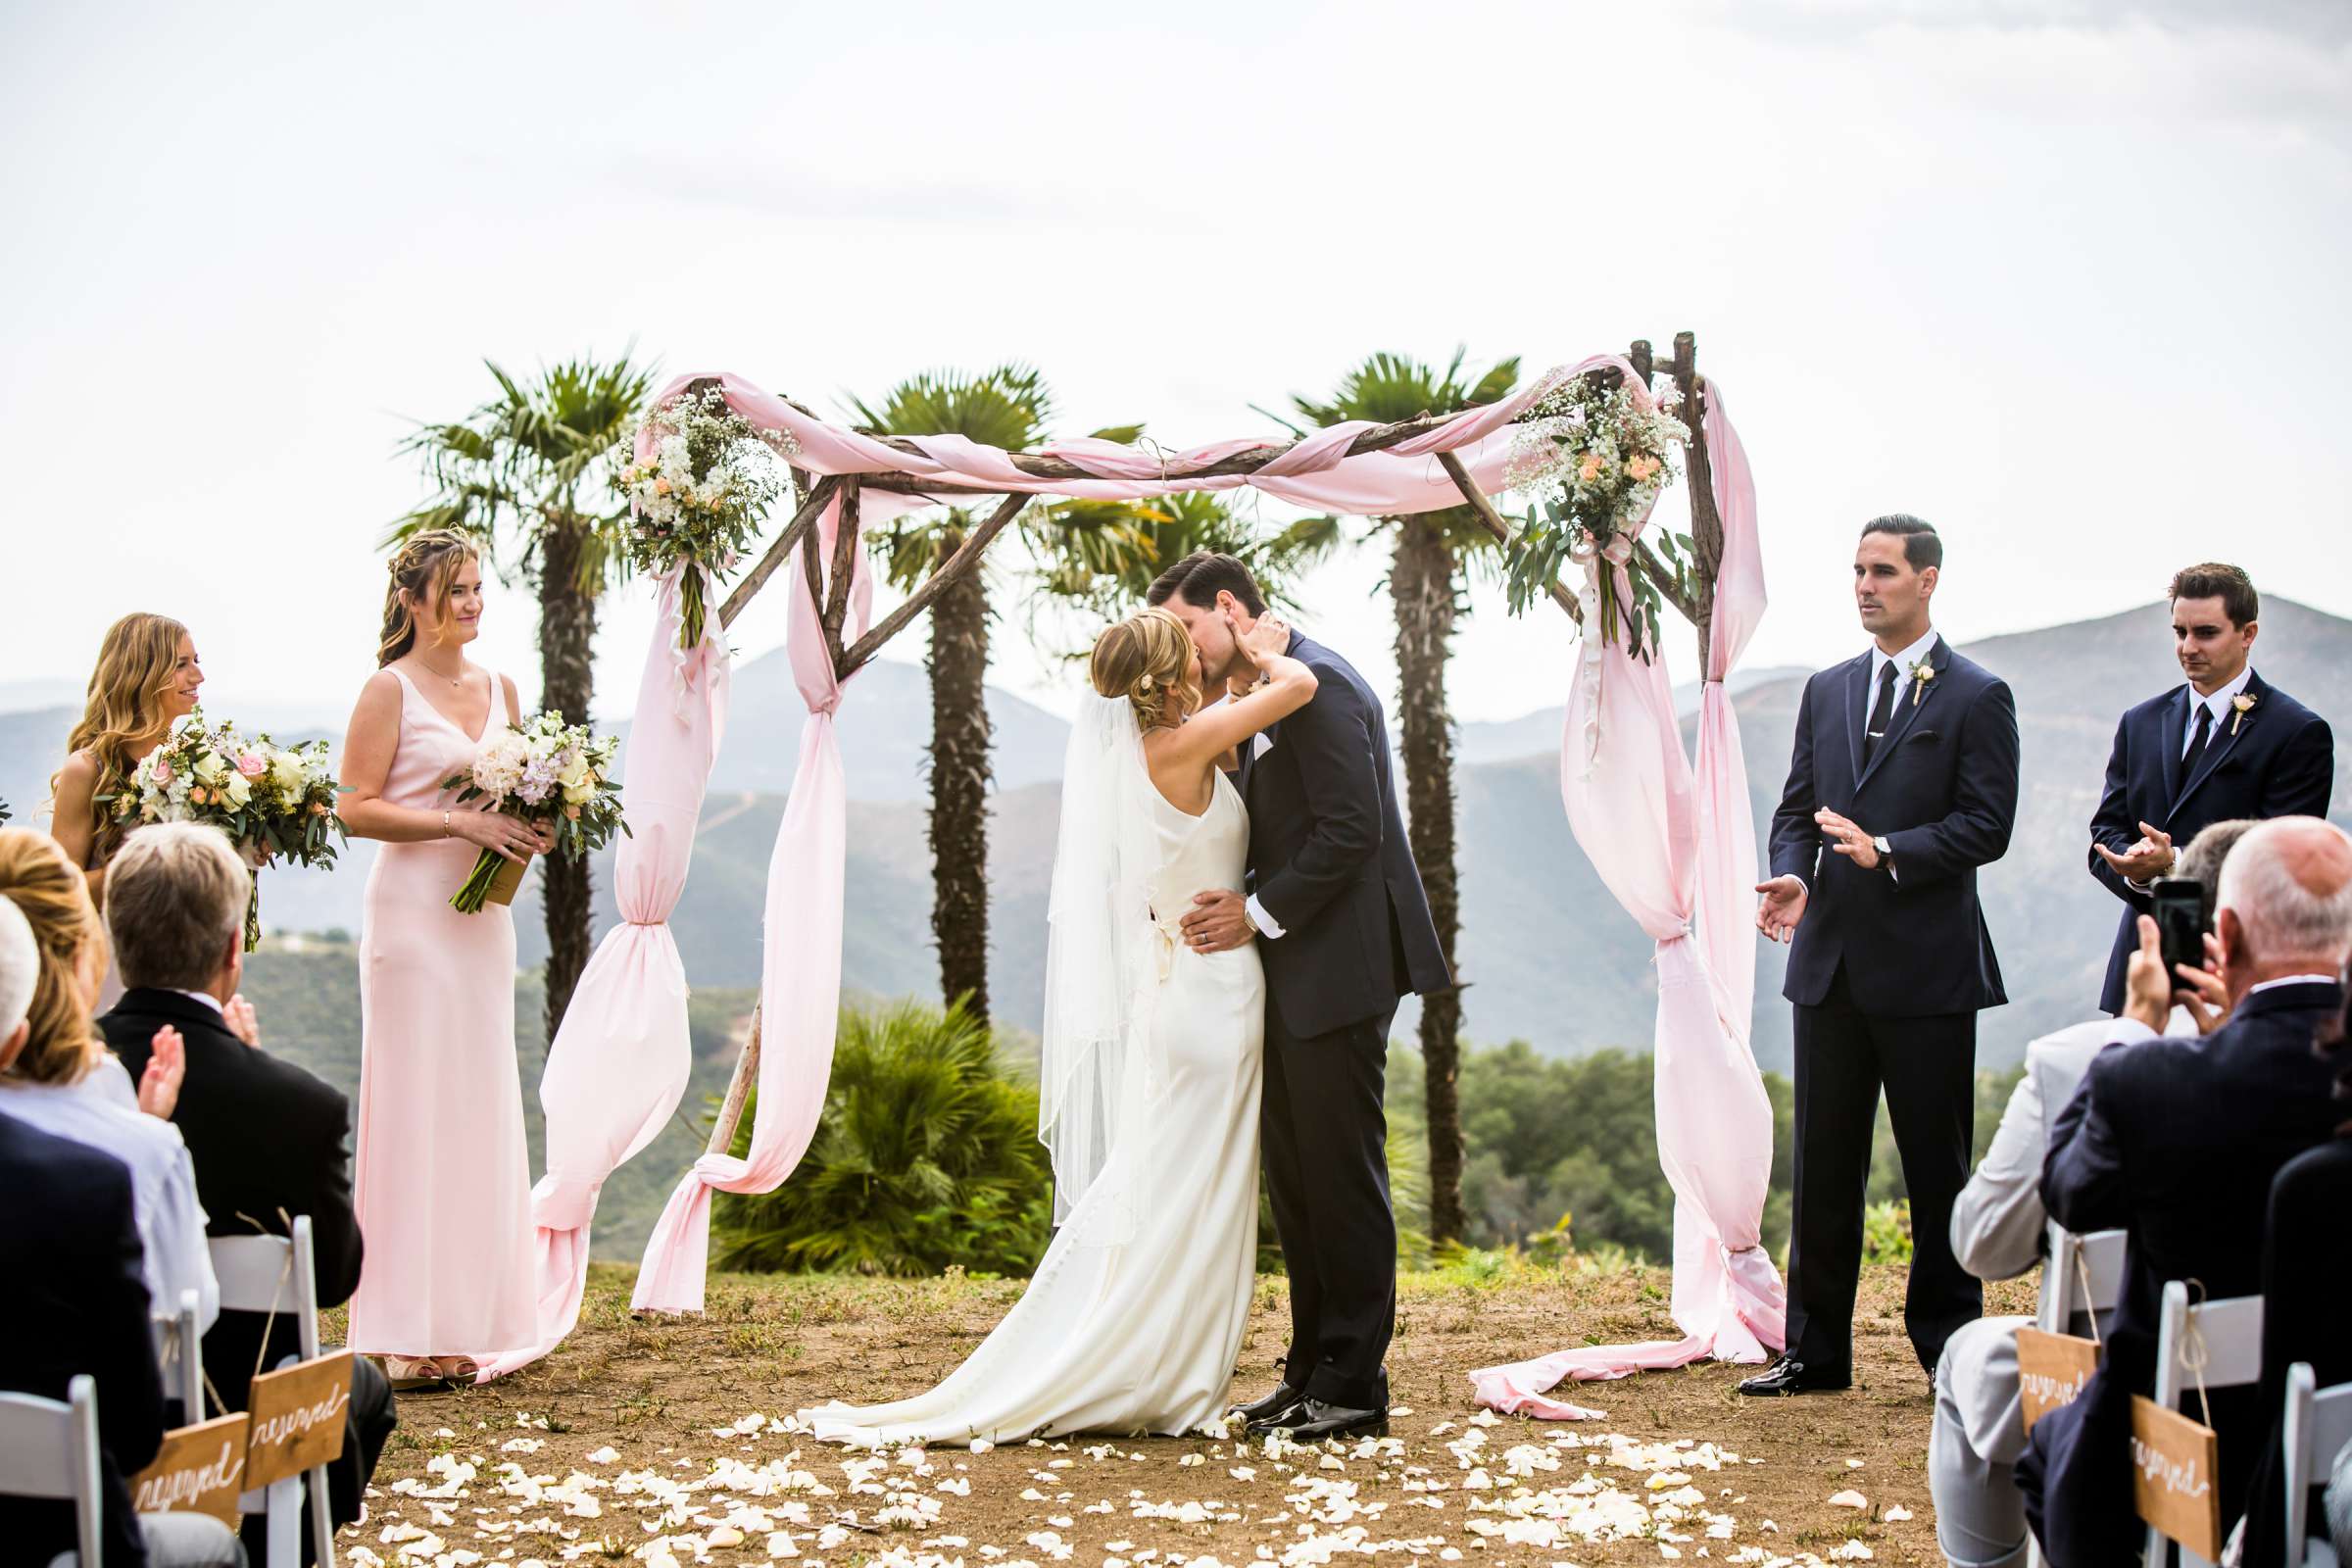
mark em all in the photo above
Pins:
pixel 1261 744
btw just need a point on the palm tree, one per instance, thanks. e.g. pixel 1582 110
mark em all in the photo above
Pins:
pixel 1006 407
pixel 525 473
pixel 1425 584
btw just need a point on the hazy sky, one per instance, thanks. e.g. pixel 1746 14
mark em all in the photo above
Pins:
pixel 2068 280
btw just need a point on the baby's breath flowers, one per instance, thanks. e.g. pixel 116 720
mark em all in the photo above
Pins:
pixel 698 496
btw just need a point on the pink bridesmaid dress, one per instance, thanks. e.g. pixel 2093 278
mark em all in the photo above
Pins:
pixel 443 1186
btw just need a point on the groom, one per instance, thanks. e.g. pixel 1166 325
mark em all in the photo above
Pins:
pixel 1343 929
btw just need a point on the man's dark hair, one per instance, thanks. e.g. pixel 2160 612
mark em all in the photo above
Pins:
pixel 1923 547
pixel 1204 574
pixel 2215 580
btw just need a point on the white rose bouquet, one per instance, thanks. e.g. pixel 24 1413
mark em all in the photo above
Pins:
pixel 698 495
pixel 548 773
pixel 271 799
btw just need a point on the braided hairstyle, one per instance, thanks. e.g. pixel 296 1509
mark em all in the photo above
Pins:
pixel 1148 659
pixel 422 569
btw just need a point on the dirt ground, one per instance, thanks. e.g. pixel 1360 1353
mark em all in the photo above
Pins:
pixel 663 1441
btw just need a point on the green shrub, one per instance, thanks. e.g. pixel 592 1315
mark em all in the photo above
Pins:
pixel 1887 1232
pixel 925 1158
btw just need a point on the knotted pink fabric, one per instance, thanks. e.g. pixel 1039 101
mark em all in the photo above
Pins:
pixel 621 1060
pixel 1676 846
pixel 799 977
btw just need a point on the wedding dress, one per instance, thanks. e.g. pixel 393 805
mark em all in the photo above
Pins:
pixel 1148 1084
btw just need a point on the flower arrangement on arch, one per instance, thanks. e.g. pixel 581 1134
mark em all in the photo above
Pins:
pixel 1610 449
pixel 271 799
pixel 698 494
pixel 548 773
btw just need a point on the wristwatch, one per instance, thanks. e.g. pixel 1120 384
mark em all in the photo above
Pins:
pixel 1886 850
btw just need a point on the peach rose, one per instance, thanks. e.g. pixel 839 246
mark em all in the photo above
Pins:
pixel 198 797
pixel 1643 466
pixel 1589 470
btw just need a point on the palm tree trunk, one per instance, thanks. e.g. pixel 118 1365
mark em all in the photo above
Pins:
pixel 959 780
pixel 566 632
pixel 1421 584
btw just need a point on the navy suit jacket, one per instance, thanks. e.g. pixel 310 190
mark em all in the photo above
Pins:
pixel 2177 1142
pixel 1329 860
pixel 264 1136
pixel 2275 759
pixel 1942 789
pixel 76 1303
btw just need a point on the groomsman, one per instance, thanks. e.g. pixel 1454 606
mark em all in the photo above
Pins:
pixel 1905 773
pixel 2225 745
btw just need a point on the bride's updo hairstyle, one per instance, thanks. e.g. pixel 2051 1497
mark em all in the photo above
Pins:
pixel 424 568
pixel 1148 659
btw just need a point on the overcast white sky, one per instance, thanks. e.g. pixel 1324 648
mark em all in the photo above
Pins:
pixel 2068 280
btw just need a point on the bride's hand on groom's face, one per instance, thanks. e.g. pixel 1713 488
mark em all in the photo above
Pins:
pixel 1269 638
pixel 1219 921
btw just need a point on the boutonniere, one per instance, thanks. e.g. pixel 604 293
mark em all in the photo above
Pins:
pixel 1922 673
pixel 2243 704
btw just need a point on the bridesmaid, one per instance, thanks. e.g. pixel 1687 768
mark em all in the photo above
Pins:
pixel 146 681
pixel 443 1184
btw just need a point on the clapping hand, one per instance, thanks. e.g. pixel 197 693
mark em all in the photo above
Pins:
pixel 167 1065
pixel 1846 839
pixel 1782 906
pixel 2152 856
pixel 238 1015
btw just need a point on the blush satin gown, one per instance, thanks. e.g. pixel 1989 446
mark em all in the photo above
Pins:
pixel 442 1181
pixel 1137 1338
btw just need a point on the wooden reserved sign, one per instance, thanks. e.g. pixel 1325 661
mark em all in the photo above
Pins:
pixel 199 1469
pixel 2173 1461
pixel 297 1415
pixel 2051 1369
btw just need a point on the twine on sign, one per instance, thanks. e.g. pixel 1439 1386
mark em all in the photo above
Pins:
pixel 2090 1309
pixel 2193 1349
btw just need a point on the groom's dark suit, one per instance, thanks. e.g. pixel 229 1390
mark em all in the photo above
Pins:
pixel 1888 970
pixel 2278 759
pixel 1329 864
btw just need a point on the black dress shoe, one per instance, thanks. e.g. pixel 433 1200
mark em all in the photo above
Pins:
pixel 1268 1409
pixel 1789 1375
pixel 1312 1421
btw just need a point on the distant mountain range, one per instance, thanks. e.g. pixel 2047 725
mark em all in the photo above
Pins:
pixel 1547 955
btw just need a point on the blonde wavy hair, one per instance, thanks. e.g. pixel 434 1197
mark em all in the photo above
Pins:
pixel 1148 659
pixel 138 663
pixel 60 1042
pixel 425 565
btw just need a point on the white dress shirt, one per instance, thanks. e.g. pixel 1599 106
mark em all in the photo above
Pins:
pixel 2218 703
pixel 1903 664
pixel 163 1178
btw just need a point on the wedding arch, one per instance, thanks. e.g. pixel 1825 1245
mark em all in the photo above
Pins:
pixel 1673 842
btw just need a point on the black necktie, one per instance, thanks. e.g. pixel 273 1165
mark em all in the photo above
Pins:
pixel 2196 742
pixel 1880 713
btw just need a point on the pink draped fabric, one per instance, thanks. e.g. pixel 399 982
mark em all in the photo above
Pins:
pixel 800 980
pixel 621 1060
pixel 1676 846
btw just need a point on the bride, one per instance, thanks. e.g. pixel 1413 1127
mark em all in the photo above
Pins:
pixel 1148 1078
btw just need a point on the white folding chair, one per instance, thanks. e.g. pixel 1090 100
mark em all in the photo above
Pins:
pixel 2095 1256
pixel 2231 1331
pixel 2319 1427
pixel 254 1277
pixel 180 1355
pixel 49 1448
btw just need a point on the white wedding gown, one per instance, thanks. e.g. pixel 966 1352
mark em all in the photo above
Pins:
pixel 1138 1336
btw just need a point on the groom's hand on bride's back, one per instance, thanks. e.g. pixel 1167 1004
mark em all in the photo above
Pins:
pixel 1219 921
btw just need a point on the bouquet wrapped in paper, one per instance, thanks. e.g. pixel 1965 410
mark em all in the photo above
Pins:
pixel 549 774
pixel 271 799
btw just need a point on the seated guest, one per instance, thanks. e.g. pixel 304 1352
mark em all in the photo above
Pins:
pixel 78 1303
pixel 269 1140
pixel 64 1081
pixel 2306 1280
pixel 1997 1228
pixel 2177 1140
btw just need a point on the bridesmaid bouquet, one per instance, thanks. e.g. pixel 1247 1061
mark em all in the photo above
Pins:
pixel 271 799
pixel 698 494
pixel 548 773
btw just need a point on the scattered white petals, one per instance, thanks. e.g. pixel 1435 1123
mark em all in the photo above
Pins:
pixel 1849 1499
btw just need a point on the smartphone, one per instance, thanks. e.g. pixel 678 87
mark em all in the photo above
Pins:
pixel 2184 913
